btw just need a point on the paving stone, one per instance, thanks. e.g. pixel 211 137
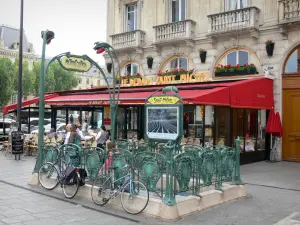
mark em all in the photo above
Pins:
pixel 18 219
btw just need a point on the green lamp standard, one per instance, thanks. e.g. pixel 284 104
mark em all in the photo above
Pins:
pixel 47 37
pixel 101 47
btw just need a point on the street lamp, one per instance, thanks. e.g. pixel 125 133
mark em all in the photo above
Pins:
pixel 20 68
pixel 101 47
pixel 47 37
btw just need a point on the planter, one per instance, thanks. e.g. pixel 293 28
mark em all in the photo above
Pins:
pixel 270 49
pixel 108 67
pixel 203 57
pixel 236 73
pixel 150 62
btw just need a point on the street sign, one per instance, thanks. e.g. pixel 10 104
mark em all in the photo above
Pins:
pixel 164 116
pixel 75 63
pixel 17 142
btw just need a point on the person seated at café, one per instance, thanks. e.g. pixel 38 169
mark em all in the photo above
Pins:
pixel 101 137
pixel 85 127
pixel 52 134
pixel 108 135
pixel 72 136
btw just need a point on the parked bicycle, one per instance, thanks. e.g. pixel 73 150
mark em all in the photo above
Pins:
pixel 134 194
pixel 63 172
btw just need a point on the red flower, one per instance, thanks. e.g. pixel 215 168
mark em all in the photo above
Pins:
pixel 245 64
pixel 128 75
pixel 237 66
pixel 251 64
pixel 138 74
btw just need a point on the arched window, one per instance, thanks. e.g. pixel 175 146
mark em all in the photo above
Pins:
pixel 177 62
pixel 293 63
pixel 130 69
pixel 237 62
pixel 237 57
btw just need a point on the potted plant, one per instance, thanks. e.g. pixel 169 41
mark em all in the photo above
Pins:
pixel 109 66
pixel 150 62
pixel 202 54
pixel 270 47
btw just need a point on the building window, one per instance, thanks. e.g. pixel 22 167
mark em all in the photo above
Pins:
pixel 80 81
pixel 87 81
pixel 293 63
pixel 178 63
pixel 98 82
pixel 235 4
pixel 237 57
pixel 131 18
pixel 178 10
pixel 130 69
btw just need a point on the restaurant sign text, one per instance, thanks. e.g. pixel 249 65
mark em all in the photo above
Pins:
pixel 166 80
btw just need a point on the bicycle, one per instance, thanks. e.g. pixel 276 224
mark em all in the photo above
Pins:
pixel 132 191
pixel 62 173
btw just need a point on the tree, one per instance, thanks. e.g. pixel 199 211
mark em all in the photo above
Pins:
pixel 28 79
pixel 56 79
pixel 7 69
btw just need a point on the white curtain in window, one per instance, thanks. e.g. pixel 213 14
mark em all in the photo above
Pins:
pixel 243 4
pixel 231 4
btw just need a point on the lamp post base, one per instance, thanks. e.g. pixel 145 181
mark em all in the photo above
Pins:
pixel 34 179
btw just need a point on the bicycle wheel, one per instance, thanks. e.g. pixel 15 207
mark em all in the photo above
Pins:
pixel 71 189
pixel 48 176
pixel 134 197
pixel 101 190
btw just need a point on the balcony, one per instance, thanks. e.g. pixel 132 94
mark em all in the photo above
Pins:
pixel 289 11
pixel 174 32
pixel 246 19
pixel 129 40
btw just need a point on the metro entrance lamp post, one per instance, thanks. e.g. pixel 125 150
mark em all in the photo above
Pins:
pixel 65 60
pixel 47 37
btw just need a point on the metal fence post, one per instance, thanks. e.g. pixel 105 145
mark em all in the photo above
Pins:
pixel 169 198
pixel 237 176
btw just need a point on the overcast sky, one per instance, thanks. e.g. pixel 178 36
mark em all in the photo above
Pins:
pixel 77 24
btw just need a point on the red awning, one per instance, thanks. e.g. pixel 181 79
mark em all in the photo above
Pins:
pixel 256 93
pixel 12 107
pixel 214 96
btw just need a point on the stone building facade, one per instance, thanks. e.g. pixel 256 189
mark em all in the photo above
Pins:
pixel 9 48
pixel 173 32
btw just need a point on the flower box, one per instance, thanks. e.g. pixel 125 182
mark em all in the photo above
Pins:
pixel 228 70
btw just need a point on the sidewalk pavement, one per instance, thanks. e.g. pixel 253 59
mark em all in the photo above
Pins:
pixel 274 195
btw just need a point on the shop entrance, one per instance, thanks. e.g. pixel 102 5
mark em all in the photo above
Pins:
pixel 291 107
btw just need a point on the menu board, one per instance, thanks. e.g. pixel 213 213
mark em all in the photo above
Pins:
pixel 17 142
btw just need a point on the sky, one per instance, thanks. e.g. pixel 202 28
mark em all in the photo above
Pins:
pixel 77 24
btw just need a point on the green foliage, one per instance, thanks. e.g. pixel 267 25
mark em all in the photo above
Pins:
pixel 7 69
pixel 56 79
